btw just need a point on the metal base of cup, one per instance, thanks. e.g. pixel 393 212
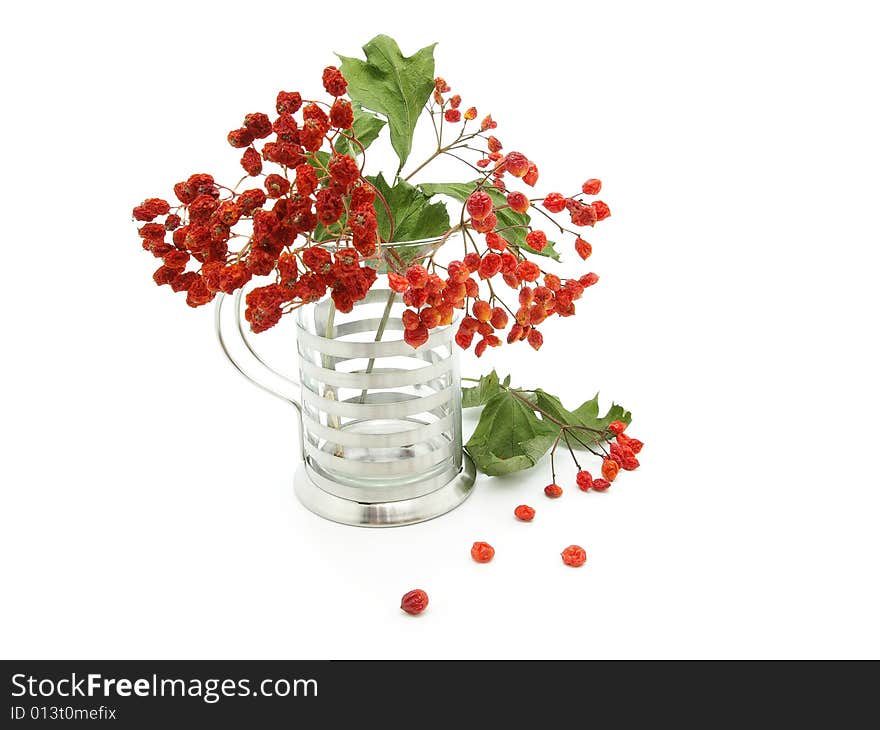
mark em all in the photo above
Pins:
pixel 386 514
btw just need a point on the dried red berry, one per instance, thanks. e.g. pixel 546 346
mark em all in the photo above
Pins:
pixel 518 202
pixel 574 555
pixel 240 137
pixel 592 186
pixel 601 485
pixel 499 318
pixel 531 177
pixel 490 265
pixel 602 210
pixel 524 513
pixel 588 279
pixel 471 113
pixel 537 240
pixel 583 248
pixel 528 270
pixel 610 469
pixel 414 602
pixel 554 202
pixel 334 82
pixel 452 116
pixel 516 163
pixel 482 552
pixel 617 427
pixel 417 337
pixel 479 205
pixel 251 161
pixel 584 480
pixel 553 491
pixel 417 276
pixel 288 102
pixel 341 114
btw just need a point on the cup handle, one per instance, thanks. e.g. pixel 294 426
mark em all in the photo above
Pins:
pixel 230 328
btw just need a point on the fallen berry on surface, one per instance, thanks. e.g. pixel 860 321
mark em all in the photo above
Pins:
pixel 414 602
pixel 553 491
pixel 482 552
pixel 524 513
pixel 574 555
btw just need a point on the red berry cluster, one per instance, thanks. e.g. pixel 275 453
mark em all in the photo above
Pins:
pixel 621 454
pixel 276 222
pixel 496 252
pixel 311 224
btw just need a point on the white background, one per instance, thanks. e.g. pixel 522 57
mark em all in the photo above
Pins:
pixel 147 508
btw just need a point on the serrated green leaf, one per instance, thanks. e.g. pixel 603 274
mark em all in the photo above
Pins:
pixel 586 414
pixel 415 216
pixel 392 84
pixel 365 128
pixel 482 392
pixel 509 436
pixel 517 224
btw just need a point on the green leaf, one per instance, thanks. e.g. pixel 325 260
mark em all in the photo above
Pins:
pixel 586 414
pixel 366 128
pixel 517 223
pixel 509 436
pixel 415 216
pixel 480 394
pixel 392 84
pixel 517 427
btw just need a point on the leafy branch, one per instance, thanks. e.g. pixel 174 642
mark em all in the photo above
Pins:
pixel 518 426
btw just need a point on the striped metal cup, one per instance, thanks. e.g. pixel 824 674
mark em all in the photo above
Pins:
pixel 381 421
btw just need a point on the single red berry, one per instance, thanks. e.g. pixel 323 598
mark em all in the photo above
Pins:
pixel 471 113
pixel 518 202
pixel 481 310
pixel 485 225
pixel 334 82
pixel 602 210
pixel 528 270
pixel 417 276
pixel 584 480
pixel 531 177
pixel 553 491
pixel 601 485
pixel 609 469
pixel 617 427
pixel 417 337
pixel 251 162
pixel 554 202
pixel 240 137
pixel 574 555
pixel 537 240
pixel 535 338
pixel 516 163
pixel 482 552
pixel 588 279
pixel 495 241
pixel 341 114
pixel 592 186
pixel 288 102
pixel 524 513
pixel 479 205
pixel 499 318
pixel 414 602
pixel 452 116
pixel 583 248
pixel 490 265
